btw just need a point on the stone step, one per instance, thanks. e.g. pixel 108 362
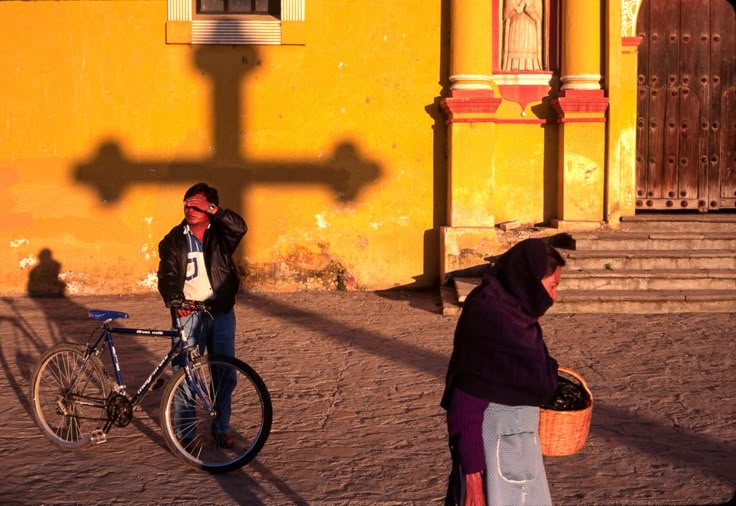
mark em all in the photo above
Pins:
pixel 463 286
pixel 663 279
pixel 622 260
pixel 644 302
pixel 613 301
pixel 655 240
pixel 653 264
pixel 680 222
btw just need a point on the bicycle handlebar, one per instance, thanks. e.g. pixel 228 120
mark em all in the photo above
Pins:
pixel 191 305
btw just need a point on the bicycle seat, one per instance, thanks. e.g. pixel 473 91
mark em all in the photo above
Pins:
pixel 103 314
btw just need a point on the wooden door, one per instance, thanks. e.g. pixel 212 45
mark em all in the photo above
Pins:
pixel 686 124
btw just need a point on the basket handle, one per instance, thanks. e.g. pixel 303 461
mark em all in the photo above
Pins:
pixel 575 375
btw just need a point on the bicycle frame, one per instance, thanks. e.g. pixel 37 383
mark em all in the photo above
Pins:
pixel 177 349
pixel 76 399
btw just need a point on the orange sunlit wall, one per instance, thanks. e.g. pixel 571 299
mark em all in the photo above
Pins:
pixel 332 149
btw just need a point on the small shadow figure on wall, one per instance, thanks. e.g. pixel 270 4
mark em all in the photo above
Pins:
pixel 43 280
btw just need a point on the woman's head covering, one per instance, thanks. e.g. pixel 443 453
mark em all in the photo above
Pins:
pixel 520 271
pixel 499 353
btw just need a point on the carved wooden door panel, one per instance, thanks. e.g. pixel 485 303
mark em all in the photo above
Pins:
pixel 686 124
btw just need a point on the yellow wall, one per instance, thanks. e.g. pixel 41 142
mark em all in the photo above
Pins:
pixel 526 168
pixel 331 150
pixel 335 151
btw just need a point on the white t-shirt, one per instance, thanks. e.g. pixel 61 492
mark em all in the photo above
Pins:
pixel 196 283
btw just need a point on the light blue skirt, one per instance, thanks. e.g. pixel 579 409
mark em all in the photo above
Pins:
pixel 514 466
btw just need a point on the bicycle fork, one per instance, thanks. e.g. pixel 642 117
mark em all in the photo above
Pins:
pixel 200 388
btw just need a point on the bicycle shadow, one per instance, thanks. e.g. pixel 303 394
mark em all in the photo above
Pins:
pixel 30 325
pixel 18 367
pixel 244 489
pixel 28 341
pixel 61 319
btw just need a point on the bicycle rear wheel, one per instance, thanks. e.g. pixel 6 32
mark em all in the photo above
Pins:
pixel 196 424
pixel 68 404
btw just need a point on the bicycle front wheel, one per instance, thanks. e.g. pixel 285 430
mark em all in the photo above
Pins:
pixel 68 403
pixel 222 420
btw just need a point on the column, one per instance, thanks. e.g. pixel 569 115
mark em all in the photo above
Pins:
pixel 627 111
pixel 470 235
pixel 581 108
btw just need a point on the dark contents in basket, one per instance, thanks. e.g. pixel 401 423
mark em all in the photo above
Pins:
pixel 569 396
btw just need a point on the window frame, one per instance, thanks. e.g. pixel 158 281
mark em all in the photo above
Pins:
pixel 232 15
pixel 185 26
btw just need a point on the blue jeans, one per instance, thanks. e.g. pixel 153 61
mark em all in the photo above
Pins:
pixel 216 335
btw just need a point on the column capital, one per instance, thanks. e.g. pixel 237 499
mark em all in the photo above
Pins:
pixel 471 106
pixel 581 106
pixel 470 82
pixel 581 81
pixel 630 44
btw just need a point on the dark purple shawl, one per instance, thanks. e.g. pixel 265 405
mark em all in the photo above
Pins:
pixel 499 353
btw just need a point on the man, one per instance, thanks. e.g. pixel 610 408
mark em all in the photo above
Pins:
pixel 196 264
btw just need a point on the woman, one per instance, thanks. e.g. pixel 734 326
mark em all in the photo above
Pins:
pixel 499 374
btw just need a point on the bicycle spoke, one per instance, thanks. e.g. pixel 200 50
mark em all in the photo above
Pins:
pixel 68 404
pixel 220 417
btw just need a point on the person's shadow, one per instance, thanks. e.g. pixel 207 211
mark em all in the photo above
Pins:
pixel 65 320
pixel 24 337
pixel 43 280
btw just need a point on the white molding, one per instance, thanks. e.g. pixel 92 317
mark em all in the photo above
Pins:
pixel 471 82
pixel 232 31
pixel 524 79
pixel 292 10
pixel 581 82
pixel 629 14
pixel 179 10
pixel 236 31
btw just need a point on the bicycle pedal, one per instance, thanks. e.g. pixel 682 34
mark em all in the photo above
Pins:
pixel 98 437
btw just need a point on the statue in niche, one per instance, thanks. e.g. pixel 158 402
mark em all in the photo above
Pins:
pixel 522 35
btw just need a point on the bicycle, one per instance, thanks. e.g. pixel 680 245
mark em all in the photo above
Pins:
pixel 75 402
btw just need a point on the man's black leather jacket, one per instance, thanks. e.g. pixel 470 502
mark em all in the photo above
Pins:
pixel 226 230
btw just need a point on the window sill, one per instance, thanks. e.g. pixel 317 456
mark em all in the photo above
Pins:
pixel 236 31
pixel 541 78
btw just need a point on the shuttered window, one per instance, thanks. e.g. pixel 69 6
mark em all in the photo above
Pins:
pixel 257 22
pixel 236 7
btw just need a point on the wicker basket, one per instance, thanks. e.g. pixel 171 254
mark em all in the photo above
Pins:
pixel 564 432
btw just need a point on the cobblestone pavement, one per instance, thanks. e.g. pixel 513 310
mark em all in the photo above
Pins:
pixel 356 380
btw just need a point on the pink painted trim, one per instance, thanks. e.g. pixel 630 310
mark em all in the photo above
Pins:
pixel 484 103
pixel 503 121
pixel 582 120
pixel 580 101
pixel 537 121
pixel 530 121
pixel 524 94
pixel 480 94
pixel 631 41
pixel 469 120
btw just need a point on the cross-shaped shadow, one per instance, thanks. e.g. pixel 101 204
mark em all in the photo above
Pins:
pixel 346 172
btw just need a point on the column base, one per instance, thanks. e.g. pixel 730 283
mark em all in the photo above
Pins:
pixel 576 224
pixel 466 247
